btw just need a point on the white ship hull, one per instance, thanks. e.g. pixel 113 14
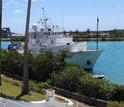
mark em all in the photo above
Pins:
pixel 86 59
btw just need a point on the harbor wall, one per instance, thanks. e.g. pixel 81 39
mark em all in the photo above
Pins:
pixel 81 98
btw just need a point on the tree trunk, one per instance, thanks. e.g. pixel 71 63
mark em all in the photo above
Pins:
pixel 25 87
pixel 0 37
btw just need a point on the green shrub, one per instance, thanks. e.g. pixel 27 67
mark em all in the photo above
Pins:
pixel 36 87
pixel 103 39
pixel 5 80
pixel 118 93
pixel 115 104
pixel 17 83
pixel 3 95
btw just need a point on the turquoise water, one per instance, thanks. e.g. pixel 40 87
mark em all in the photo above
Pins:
pixel 4 45
pixel 110 63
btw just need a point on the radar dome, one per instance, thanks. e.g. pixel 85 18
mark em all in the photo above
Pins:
pixel 34 27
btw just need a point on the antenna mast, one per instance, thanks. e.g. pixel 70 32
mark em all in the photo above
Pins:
pixel 45 24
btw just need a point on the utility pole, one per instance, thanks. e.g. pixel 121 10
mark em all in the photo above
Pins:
pixel 97 31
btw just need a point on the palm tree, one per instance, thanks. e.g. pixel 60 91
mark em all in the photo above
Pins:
pixel 25 87
pixel 77 31
pixel 64 32
pixel 88 32
pixel 0 36
pixel 70 32
pixel 115 32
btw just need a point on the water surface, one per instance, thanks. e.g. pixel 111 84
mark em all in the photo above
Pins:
pixel 111 61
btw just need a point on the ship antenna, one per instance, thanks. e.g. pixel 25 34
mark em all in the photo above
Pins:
pixel 45 24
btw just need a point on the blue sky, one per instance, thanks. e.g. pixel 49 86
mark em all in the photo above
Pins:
pixel 71 14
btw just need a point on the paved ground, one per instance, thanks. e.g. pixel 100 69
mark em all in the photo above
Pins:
pixel 79 104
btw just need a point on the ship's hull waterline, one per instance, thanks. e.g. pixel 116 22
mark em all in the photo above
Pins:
pixel 86 59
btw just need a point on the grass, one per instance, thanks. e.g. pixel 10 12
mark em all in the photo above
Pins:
pixel 11 91
pixel 5 39
pixel 115 104
pixel 100 39
pixel 60 99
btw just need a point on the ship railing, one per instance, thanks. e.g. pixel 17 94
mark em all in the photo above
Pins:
pixel 52 29
pixel 33 44
pixel 43 45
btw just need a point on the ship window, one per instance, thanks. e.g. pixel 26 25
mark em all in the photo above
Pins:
pixel 41 29
pixel 68 43
pixel 49 29
pixel 52 42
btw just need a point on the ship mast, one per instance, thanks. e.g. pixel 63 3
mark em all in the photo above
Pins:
pixel 45 24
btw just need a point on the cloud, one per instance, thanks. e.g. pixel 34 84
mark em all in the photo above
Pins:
pixel 11 2
pixel 18 11
pixel 103 1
